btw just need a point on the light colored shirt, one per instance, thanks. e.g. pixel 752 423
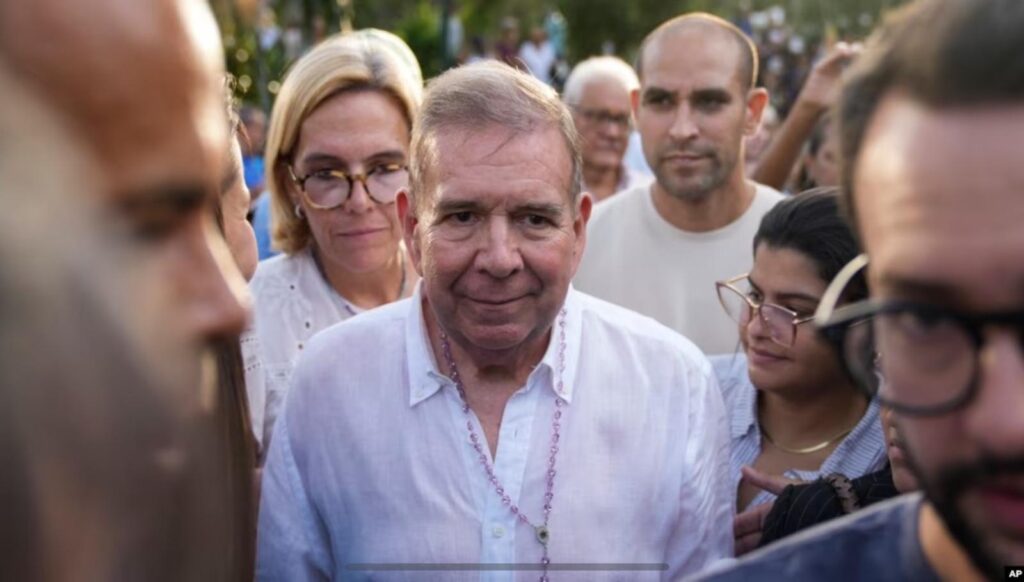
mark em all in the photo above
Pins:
pixel 373 464
pixel 634 158
pixel 255 384
pixel 860 452
pixel 639 260
pixel 628 179
pixel 539 59
pixel 291 302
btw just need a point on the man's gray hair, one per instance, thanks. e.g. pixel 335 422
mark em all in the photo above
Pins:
pixel 606 67
pixel 487 94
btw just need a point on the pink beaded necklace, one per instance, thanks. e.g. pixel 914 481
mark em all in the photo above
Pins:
pixel 542 532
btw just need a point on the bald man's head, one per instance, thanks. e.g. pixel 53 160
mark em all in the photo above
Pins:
pixel 138 80
pixel 703 23
pixel 140 85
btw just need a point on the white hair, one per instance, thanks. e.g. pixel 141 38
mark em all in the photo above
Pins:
pixel 605 67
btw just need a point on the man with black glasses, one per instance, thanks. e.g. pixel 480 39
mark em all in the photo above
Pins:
pixel 930 121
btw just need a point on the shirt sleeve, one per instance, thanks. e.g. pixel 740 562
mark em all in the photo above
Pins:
pixel 704 532
pixel 293 544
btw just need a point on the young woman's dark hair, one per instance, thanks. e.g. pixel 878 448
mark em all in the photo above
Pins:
pixel 812 224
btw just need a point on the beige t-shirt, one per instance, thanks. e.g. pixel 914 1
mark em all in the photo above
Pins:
pixel 636 259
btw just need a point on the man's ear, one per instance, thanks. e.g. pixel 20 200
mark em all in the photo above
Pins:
pixel 634 101
pixel 757 100
pixel 409 222
pixel 584 206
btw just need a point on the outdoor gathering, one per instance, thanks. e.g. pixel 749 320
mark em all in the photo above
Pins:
pixel 512 290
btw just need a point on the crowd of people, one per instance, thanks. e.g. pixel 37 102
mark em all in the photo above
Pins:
pixel 617 332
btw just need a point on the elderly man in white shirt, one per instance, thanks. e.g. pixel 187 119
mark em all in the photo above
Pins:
pixel 497 425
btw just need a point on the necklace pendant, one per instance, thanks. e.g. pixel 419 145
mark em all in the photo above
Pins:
pixel 543 535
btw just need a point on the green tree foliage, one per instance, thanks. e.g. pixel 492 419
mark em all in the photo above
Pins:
pixel 592 24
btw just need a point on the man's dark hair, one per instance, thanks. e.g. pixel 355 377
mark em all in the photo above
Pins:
pixel 748 69
pixel 812 224
pixel 940 52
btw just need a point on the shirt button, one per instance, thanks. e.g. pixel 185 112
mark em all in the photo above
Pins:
pixel 497 531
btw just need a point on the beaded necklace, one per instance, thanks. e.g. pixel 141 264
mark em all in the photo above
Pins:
pixel 542 532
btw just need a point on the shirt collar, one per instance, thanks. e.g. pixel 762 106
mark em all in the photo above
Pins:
pixel 426 379
pixel 744 415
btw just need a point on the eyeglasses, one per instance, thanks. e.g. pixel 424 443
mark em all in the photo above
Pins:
pixel 326 189
pixel 920 359
pixel 740 300
pixel 603 116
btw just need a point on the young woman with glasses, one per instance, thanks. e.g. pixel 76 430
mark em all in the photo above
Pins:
pixel 336 155
pixel 794 411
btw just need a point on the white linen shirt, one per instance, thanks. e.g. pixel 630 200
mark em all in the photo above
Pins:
pixel 372 463
pixel 860 452
pixel 291 302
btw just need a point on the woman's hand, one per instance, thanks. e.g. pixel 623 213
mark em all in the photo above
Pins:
pixel 747 526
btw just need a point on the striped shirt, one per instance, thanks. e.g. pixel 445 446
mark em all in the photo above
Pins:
pixel 861 452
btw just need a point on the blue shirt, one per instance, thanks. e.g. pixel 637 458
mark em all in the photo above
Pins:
pixel 880 544
pixel 261 225
pixel 252 167
pixel 860 453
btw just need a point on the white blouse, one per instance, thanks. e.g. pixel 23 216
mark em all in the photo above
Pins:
pixel 292 301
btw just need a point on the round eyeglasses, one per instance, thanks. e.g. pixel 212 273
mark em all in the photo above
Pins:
pixel 740 300
pixel 920 359
pixel 326 189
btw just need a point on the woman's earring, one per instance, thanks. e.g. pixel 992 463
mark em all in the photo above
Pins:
pixel 299 213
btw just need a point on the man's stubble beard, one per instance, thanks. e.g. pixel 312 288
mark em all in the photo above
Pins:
pixel 947 490
pixel 708 183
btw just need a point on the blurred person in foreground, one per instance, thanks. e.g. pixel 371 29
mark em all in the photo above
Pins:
pixel 111 463
pixel 497 417
pixel 104 68
pixel 597 92
pixel 337 153
pixel 795 413
pixel 930 119
pixel 659 248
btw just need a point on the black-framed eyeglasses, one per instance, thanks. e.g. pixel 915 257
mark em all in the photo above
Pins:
pixel 919 359
pixel 326 189
pixel 740 300
pixel 622 121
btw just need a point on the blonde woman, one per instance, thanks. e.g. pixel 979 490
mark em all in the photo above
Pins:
pixel 336 154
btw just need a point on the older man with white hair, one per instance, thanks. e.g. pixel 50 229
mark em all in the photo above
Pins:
pixel 497 425
pixel 597 92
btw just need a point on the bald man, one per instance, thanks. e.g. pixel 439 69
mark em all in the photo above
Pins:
pixel 139 85
pixel 659 249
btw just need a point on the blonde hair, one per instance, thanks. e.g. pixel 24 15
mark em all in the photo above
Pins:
pixel 482 94
pixel 366 59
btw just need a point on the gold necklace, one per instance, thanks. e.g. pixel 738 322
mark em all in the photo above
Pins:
pixel 810 449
